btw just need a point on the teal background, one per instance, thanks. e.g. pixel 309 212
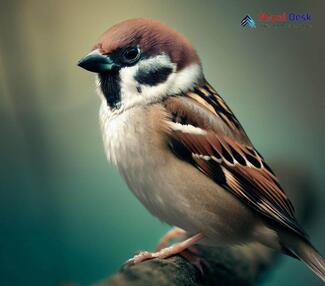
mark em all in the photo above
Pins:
pixel 65 214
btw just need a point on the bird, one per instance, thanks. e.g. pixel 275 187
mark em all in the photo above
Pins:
pixel 182 151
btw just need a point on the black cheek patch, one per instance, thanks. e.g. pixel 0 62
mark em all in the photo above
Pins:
pixel 154 76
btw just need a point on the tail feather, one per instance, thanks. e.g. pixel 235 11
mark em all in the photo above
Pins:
pixel 303 250
pixel 308 254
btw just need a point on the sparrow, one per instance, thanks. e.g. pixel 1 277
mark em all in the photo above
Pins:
pixel 182 151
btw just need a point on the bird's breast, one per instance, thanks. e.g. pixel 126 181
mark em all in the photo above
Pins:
pixel 134 144
pixel 131 137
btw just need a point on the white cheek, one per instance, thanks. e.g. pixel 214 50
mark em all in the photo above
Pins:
pixel 159 90
pixel 132 91
pixel 186 79
pixel 128 83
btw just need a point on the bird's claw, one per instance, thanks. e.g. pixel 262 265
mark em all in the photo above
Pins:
pixel 141 256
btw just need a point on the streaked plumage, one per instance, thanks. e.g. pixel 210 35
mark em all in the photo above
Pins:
pixel 180 148
pixel 223 157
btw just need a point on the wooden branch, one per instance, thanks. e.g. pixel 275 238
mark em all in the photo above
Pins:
pixel 242 266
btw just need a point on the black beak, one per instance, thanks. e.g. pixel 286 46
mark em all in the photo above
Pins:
pixel 96 62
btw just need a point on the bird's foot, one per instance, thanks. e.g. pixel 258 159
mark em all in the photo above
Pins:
pixel 174 233
pixel 166 252
pixel 141 256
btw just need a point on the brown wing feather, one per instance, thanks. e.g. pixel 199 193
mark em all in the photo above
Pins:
pixel 207 92
pixel 232 163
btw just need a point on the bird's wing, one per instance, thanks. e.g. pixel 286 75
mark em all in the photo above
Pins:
pixel 204 132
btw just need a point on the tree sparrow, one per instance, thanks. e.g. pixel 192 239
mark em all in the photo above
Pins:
pixel 182 151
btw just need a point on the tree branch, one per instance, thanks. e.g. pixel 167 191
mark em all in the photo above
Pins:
pixel 242 266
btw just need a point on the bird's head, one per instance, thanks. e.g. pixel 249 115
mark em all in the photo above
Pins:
pixel 142 61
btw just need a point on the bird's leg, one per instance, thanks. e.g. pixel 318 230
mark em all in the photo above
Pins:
pixel 175 232
pixel 191 254
pixel 166 252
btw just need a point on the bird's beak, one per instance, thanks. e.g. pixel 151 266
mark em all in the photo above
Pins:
pixel 96 62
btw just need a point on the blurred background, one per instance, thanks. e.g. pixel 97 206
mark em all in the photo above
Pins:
pixel 65 214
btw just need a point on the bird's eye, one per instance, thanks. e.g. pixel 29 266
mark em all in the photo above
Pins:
pixel 131 55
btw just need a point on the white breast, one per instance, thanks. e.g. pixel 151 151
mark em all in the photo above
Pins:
pixel 129 146
pixel 119 134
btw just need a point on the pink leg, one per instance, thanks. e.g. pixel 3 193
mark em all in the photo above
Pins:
pixel 166 252
pixel 175 232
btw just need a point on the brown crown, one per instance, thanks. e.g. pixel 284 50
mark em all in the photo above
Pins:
pixel 152 37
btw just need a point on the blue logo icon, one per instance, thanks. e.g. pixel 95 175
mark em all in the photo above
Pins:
pixel 248 22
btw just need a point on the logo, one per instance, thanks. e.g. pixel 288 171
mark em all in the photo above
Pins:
pixel 248 22
pixel 279 20
pixel 284 17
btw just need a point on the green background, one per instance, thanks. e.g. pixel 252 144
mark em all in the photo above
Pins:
pixel 65 214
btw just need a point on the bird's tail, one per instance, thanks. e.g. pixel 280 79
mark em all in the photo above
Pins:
pixel 303 250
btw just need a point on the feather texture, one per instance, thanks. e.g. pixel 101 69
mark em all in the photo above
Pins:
pixel 223 152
